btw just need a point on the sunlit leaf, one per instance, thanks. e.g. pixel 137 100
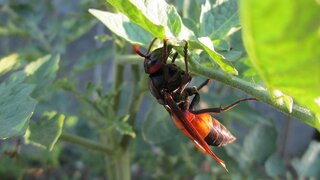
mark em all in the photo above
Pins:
pixel 155 17
pixel 283 44
pixel 144 13
pixel 8 63
pixel 217 20
pixel 123 27
pixel 45 132
pixel 225 65
pixel 42 72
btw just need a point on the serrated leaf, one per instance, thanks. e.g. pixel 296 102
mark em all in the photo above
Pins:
pixel 140 13
pixel 225 65
pixel 275 166
pixel 123 27
pixel 309 164
pixel 16 105
pixel 218 19
pixel 283 44
pixel 156 17
pixel 124 128
pixel 259 144
pixel 124 118
pixel 42 72
pixel 8 63
pixel 46 132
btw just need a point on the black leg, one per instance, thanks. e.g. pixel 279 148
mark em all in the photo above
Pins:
pixel 175 55
pixel 203 84
pixel 187 77
pixel 165 51
pixel 195 101
pixel 164 60
pixel 221 109
pixel 185 55
pixel 194 91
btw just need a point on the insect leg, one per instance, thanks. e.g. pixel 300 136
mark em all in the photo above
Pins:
pixel 187 77
pixel 206 82
pixel 221 109
pixel 175 55
pixel 165 51
pixel 194 91
pixel 165 55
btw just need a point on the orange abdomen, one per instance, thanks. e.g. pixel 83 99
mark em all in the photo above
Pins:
pixel 211 130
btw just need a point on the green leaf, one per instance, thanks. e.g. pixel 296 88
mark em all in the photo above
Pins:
pixel 46 132
pixel 218 19
pixel 275 166
pixel 156 17
pixel 283 44
pixel 42 72
pixel 259 143
pixel 123 27
pixel 123 127
pixel 145 13
pixel 231 55
pixel 309 164
pixel 16 105
pixel 8 63
pixel 225 65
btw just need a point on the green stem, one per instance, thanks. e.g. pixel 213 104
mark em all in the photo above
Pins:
pixel 84 142
pixel 129 59
pixel 135 101
pixel 117 84
pixel 253 90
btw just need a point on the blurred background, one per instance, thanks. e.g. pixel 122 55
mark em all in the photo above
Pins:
pixel 269 144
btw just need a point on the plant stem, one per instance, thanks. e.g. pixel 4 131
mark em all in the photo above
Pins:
pixel 118 80
pixel 84 142
pixel 253 90
pixel 135 101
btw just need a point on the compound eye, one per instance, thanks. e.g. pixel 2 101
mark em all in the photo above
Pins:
pixel 152 62
pixel 152 65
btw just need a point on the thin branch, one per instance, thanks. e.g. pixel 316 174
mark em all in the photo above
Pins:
pixel 84 142
pixel 135 101
pixel 117 83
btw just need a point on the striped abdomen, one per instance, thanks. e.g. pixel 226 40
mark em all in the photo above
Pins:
pixel 211 130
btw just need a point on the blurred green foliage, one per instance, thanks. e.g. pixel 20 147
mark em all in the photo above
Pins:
pixel 51 61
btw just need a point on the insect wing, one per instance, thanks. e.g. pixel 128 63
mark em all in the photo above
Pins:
pixel 191 129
